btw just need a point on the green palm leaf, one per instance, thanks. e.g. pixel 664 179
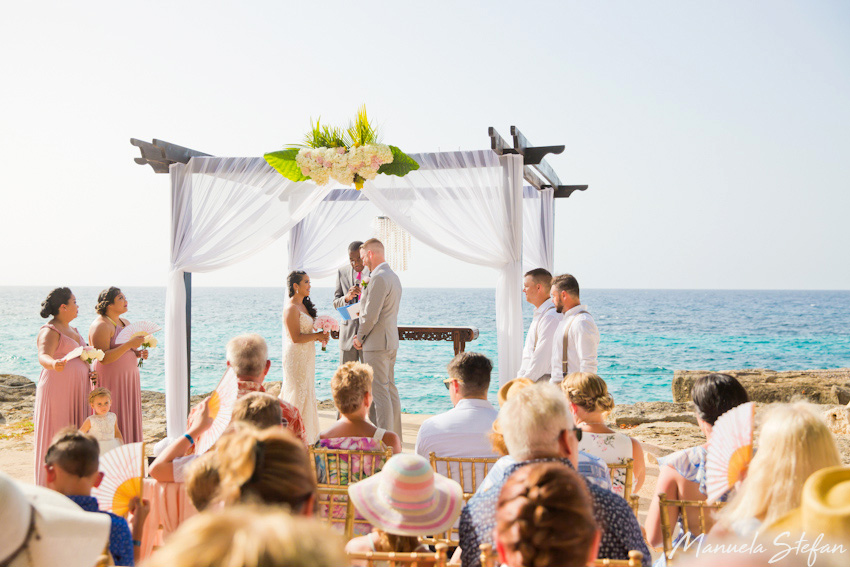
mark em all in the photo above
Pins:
pixel 401 165
pixel 284 162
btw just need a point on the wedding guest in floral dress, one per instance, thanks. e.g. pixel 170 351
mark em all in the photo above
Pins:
pixel 118 371
pixel 352 392
pixel 590 401
pixel 61 397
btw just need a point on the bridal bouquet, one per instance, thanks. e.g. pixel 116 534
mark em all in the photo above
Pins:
pixel 349 156
pixel 327 324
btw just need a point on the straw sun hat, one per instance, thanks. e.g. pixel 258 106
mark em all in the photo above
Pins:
pixel 824 506
pixel 42 528
pixel 408 498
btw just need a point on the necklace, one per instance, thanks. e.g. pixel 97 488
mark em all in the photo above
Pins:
pixel 111 321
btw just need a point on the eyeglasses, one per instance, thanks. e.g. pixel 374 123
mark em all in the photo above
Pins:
pixel 576 430
pixel 448 382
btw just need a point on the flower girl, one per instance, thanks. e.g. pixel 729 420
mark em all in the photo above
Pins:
pixel 103 425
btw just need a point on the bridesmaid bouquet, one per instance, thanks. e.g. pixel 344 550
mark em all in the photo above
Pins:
pixel 325 323
pixel 149 342
pixel 90 354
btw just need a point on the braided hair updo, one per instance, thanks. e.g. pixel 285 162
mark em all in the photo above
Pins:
pixel 106 298
pixel 293 278
pixel 588 391
pixel 55 299
pixel 535 506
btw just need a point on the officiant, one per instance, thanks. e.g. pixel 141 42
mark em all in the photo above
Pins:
pixel 349 287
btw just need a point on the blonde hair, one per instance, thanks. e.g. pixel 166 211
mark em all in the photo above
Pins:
pixel 588 391
pixel 349 384
pixel 394 542
pixel 532 420
pixel 374 245
pixel 202 480
pixel 250 536
pixel 793 442
pixel 98 392
pixel 269 466
pixel 247 354
pixel 258 408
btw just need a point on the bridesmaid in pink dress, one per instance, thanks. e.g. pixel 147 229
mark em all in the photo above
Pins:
pixel 61 397
pixel 118 371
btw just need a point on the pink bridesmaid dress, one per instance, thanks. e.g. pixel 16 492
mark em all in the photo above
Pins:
pixel 121 378
pixel 61 399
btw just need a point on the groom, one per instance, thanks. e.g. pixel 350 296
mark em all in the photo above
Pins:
pixel 348 290
pixel 377 336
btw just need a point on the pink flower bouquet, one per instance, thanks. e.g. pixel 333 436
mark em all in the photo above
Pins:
pixel 327 324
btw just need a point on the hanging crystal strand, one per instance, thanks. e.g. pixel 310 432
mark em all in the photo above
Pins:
pixel 396 242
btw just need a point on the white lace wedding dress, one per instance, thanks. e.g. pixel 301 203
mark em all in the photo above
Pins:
pixel 299 377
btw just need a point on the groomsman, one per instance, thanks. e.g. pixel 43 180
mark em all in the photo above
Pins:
pixel 537 354
pixel 378 335
pixel 348 290
pixel 577 337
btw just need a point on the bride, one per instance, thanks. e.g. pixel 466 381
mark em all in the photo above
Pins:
pixel 299 352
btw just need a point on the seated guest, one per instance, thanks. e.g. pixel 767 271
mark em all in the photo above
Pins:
pixel 250 536
pixel 589 402
pixel 42 528
pixel 202 480
pixel 247 355
pixel 407 499
pixel 592 468
pixel 269 466
pixel 535 505
pixel 72 469
pixel 462 431
pixel 793 442
pixel 538 427
pixel 824 510
pixel 681 475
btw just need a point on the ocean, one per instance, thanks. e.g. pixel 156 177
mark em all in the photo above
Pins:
pixel 646 334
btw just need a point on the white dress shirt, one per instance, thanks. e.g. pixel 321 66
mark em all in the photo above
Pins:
pixel 537 354
pixel 582 344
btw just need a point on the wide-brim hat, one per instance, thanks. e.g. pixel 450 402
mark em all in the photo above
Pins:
pixel 824 506
pixel 42 528
pixel 512 387
pixel 408 498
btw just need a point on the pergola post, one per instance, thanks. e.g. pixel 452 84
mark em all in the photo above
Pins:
pixel 187 282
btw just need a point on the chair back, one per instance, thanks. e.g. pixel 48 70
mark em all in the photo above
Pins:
pixel 436 558
pixel 635 560
pixel 341 467
pixel 685 509
pixel 468 472
pixel 626 465
pixel 337 510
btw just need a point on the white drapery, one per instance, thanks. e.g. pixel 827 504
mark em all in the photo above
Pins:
pixel 467 205
pixel 223 210
pixel 538 229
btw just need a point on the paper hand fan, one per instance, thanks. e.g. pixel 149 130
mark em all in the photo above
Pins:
pixel 73 354
pixel 221 407
pixel 730 450
pixel 139 328
pixel 123 469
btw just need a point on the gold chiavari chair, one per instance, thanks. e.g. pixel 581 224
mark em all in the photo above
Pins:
pixel 705 513
pixel 340 511
pixel 628 483
pixel 468 472
pixel 635 560
pixel 436 558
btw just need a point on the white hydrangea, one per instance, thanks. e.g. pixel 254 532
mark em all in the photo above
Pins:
pixel 323 164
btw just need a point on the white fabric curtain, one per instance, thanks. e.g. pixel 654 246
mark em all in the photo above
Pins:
pixel 538 229
pixel 467 205
pixel 319 243
pixel 223 210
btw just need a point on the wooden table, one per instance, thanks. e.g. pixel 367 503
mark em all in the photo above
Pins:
pixel 459 336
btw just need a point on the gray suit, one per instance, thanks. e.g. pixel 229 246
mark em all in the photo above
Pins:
pixel 345 278
pixel 379 334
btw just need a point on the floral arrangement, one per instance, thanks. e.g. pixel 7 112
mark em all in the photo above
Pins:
pixel 349 156
pixel 149 342
pixel 327 324
pixel 365 281
pixel 90 354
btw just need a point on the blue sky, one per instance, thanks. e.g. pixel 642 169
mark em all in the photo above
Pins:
pixel 713 135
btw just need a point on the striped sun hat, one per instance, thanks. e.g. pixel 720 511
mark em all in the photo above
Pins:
pixel 408 498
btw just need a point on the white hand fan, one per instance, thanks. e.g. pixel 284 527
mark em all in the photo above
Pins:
pixel 137 329
pixel 221 408
pixel 730 450
pixel 74 354
pixel 123 471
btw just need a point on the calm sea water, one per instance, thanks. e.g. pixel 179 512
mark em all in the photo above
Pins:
pixel 646 334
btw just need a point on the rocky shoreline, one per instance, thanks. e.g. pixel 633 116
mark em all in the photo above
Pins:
pixel 662 426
